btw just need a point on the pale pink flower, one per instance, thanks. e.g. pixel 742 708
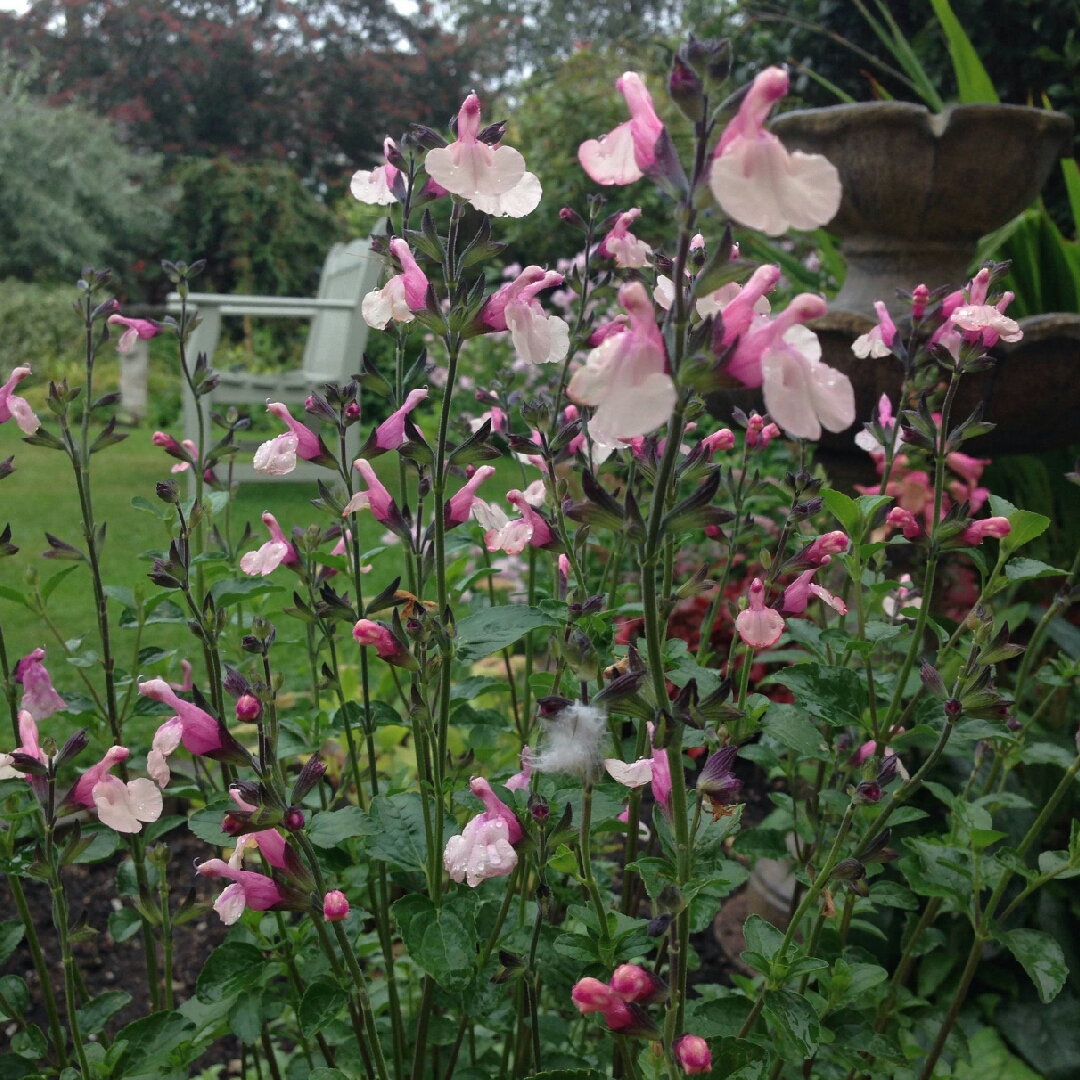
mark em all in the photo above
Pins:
pixel 493 179
pixel 629 151
pixel 797 595
pixel 740 307
pixel 277 456
pixel 277 551
pixel 199 731
pixel 978 531
pixel 608 329
pixel 39 698
pixel 335 906
pixel 756 180
pixel 988 321
pixel 376 499
pixel 634 983
pixel 661 773
pixel 511 536
pixel 494 807
pixel 724 439
pixel 758 625
pixel 403 294
pixel 693 1054
pixel 122 807
pixel 877 341
pixel 390 434
pixel 269 842
pixel 460 504
pixel 482 850
pixel 28 732
pixel 135 329
pixel 248 889
pixel 626 378
pixel 376 186
pixel 633 775
pixel 623 246
pixel 867 441
pixel 538 338
pixel 520 780
pixel 185 683
pixel 697 242
pixel 166 742
pixel 308 445
pixel 762 335
pixel 11 405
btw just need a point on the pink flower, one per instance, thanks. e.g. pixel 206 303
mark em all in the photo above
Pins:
pixel 136 328
pixel 759 626
pixel 11 405
pixel 28 732
pixel 920 297
pixel 277 551
pixel 403 294
pixel 623 246
pixel 988 322
pixel 482 850
pixel 376 499
pixel 819 552
pixel 633 775
pixel 186 452
pixel 493 179
pixel 627 153
pixel 39 698
pixel 308 445
pixel 661 773
pixel 248 889
pixel 724 439
pixel 633 983
pixel 758 433
pixel 756 180
pixel 335 906
pixel 760 336
pixel 277 456
pixel 460 504
pixel 376 186
pixel 906 521
pixel 199 732
pixel 382 639
pixel 877 341
pixel 797 595
pixel 502 534
pixel 739 308
pixel 626 377
pixel 608 329
pixel 185 684
pixel 562 568
pixel 520 780
pixel 867 440
pixel 591 996
pixel 122 807
pixel 271 845
pixel 390 434
pixel 495 807
pixel 693 1055
pixel 978 531
pixel 538 338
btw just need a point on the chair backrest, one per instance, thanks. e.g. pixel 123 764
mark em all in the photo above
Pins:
pixel 335 344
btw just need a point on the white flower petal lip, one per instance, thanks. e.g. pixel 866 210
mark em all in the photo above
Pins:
pixel 786 387
pixel 761 185
pixel 634 774
pixel 277 456
pixel 986 317
pixel 370 186
pixel 230 903
pixel 520 201
pixel 610 159
pixel 475 169
pixel 264 561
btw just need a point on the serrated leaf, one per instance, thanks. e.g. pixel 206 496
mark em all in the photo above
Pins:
pixel 321 1003
pixel 1042 959
pixel 228 970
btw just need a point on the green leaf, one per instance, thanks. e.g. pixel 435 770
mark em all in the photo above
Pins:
pixel 566 1074
pixel 738 1059
pixel 50 586
pixel 149 1041
pixel 495 628
pixel 103 846
pixel 796 1019
pixel 124 924
pixel 396 825
pixel 11 933
pixel 1042 959
pixel 835 695
pixel 1029 569
pixel 1024 525
pixel 974 84
pixel 228 970
pixel 762 937
pixel 844 509
pixel 96 1014
pixel 324 1073
pixel 206 823
pixel 13 595
pixel 788 724
pixel 235 590
pixel 322 1002
pixel 441 940
pixel 990 1058
pixel 332 827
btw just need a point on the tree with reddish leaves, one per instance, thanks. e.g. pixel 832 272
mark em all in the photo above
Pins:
pixel 310 82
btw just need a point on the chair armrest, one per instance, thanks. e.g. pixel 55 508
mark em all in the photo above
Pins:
pixel 264 306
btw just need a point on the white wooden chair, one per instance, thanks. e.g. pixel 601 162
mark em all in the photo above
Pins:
pixel 334 349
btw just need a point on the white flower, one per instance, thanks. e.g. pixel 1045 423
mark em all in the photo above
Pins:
pixel 277 456
pixel 633 775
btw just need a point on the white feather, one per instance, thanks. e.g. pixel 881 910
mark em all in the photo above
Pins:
pixel 572 742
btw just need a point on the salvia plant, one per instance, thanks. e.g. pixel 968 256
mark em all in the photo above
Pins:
pixel 475 814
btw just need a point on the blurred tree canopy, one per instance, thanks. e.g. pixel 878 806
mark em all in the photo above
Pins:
pixel 311 82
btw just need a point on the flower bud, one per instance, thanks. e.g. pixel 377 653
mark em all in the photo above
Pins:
pixel 310 775
pixel 686 90
pixel 867 793
pixel 932 680
pixel 848 870
pixel 953 710
pixel 919 299
pixel 352 412
pixel 633 983
pixel 293 819
pixel 572 217
pixel 659 926
pixel 75 745
pixel 539 807
pixel 335 906
pixel 248 709
pixel 692 1054
pixel 890 769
